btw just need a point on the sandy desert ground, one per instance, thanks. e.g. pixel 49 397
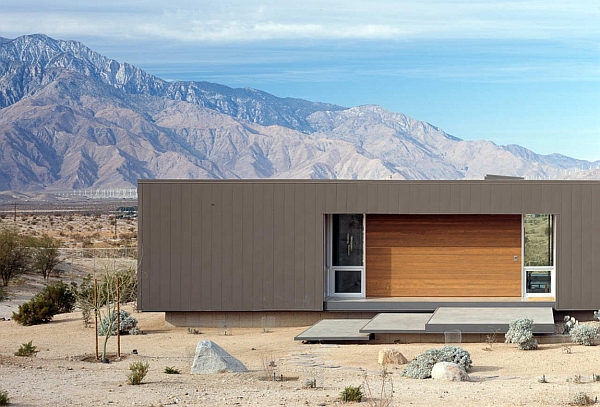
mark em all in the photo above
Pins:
pixel 61 375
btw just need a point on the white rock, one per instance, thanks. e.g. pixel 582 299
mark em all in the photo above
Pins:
pixel 211 358
pixel 450 372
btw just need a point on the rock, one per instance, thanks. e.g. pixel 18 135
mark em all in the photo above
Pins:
pixel 211 358
pixel 450 372
pixel 391 357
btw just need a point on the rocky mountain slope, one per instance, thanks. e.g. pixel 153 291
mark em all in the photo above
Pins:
pixel 72 118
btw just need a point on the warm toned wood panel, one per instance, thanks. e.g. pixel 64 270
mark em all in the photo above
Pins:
pixel 443 255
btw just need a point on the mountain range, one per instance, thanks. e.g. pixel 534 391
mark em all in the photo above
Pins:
pixel 71 118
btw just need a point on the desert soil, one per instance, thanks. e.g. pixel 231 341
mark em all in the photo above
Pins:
pixel 61 375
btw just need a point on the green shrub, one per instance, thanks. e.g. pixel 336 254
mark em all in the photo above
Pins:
pixel 62 295
pixel 27 349
pixel 584 334
pixel 36 311
pixel 421 366
pixel 351 393
pixel 171 370
pixel 520 332
pixel 4 399
pixel 138 372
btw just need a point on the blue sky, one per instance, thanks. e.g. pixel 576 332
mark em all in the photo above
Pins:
pixel 523 72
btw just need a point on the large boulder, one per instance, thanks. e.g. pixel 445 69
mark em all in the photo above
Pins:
pixel 391 357
pixel 211 358
pixel 450 372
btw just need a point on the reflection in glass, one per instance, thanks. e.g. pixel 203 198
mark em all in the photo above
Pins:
pixel 539 244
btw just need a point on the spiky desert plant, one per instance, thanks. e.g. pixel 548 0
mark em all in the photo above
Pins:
pixel 138 372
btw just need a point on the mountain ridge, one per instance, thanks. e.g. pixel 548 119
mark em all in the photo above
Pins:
pixel 71 118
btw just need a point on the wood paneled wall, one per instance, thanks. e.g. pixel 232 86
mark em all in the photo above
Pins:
pixel 443 256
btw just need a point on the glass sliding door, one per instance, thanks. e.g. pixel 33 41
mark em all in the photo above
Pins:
pixel 538 255
pixel 346 255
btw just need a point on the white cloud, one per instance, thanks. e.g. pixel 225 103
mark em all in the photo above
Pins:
pixel 230 21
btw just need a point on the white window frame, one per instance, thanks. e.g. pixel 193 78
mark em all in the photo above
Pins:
pixel 330 269
pixel 552 269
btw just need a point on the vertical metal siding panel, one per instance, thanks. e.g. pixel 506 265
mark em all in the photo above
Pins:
pixel 414 198
pixel 331 198
pixel 147 223
pixel 371 198
pixel 595 244
pixel 341 204
pixel 363 198
pixel 393 198
pixel 486 198
pixel 496 198
pixel 565 253
pixel 424 198
pixel 586 248
pixel 383 197
pixel 465 199
pixel 239 268
pixel 258 191
pixel 352 198
pixel 186 247
pixel 312 269
pixel 268 246
pixel 557 191
pixel 536 198
pixel 227 233
pixel 165 246
pixel 205 247
pixel 546 199
pixel 299 245
pixel 216 268
pixel 319 283
pixel 445 198
pixel 175 259
pixel 576 243
pixel 196 244
pixel 279 244
pixel 289 247
pixel 247 245
pixel 434 199
pixel 516 205
pixel 506 193
pixel 455 197
pixel 476 198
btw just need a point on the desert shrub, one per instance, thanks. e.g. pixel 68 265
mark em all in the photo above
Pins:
pixel 36 311
pixel 568 324
pixel 126 323
pixel 3 294
pixel 520 332
pixel 138 372
pixel 27 349
pixel 597 315
pixel 584 334
pixel 582 399
pixel 62 295
pixel 421 366
pixel 171 370
pixel 351 393
pixel 4 399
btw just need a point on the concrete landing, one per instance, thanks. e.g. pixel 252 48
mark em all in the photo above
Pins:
pixel 336 330
pixel 488 319
pixel 397 323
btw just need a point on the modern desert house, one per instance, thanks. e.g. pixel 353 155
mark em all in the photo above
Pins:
pixel 304 250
